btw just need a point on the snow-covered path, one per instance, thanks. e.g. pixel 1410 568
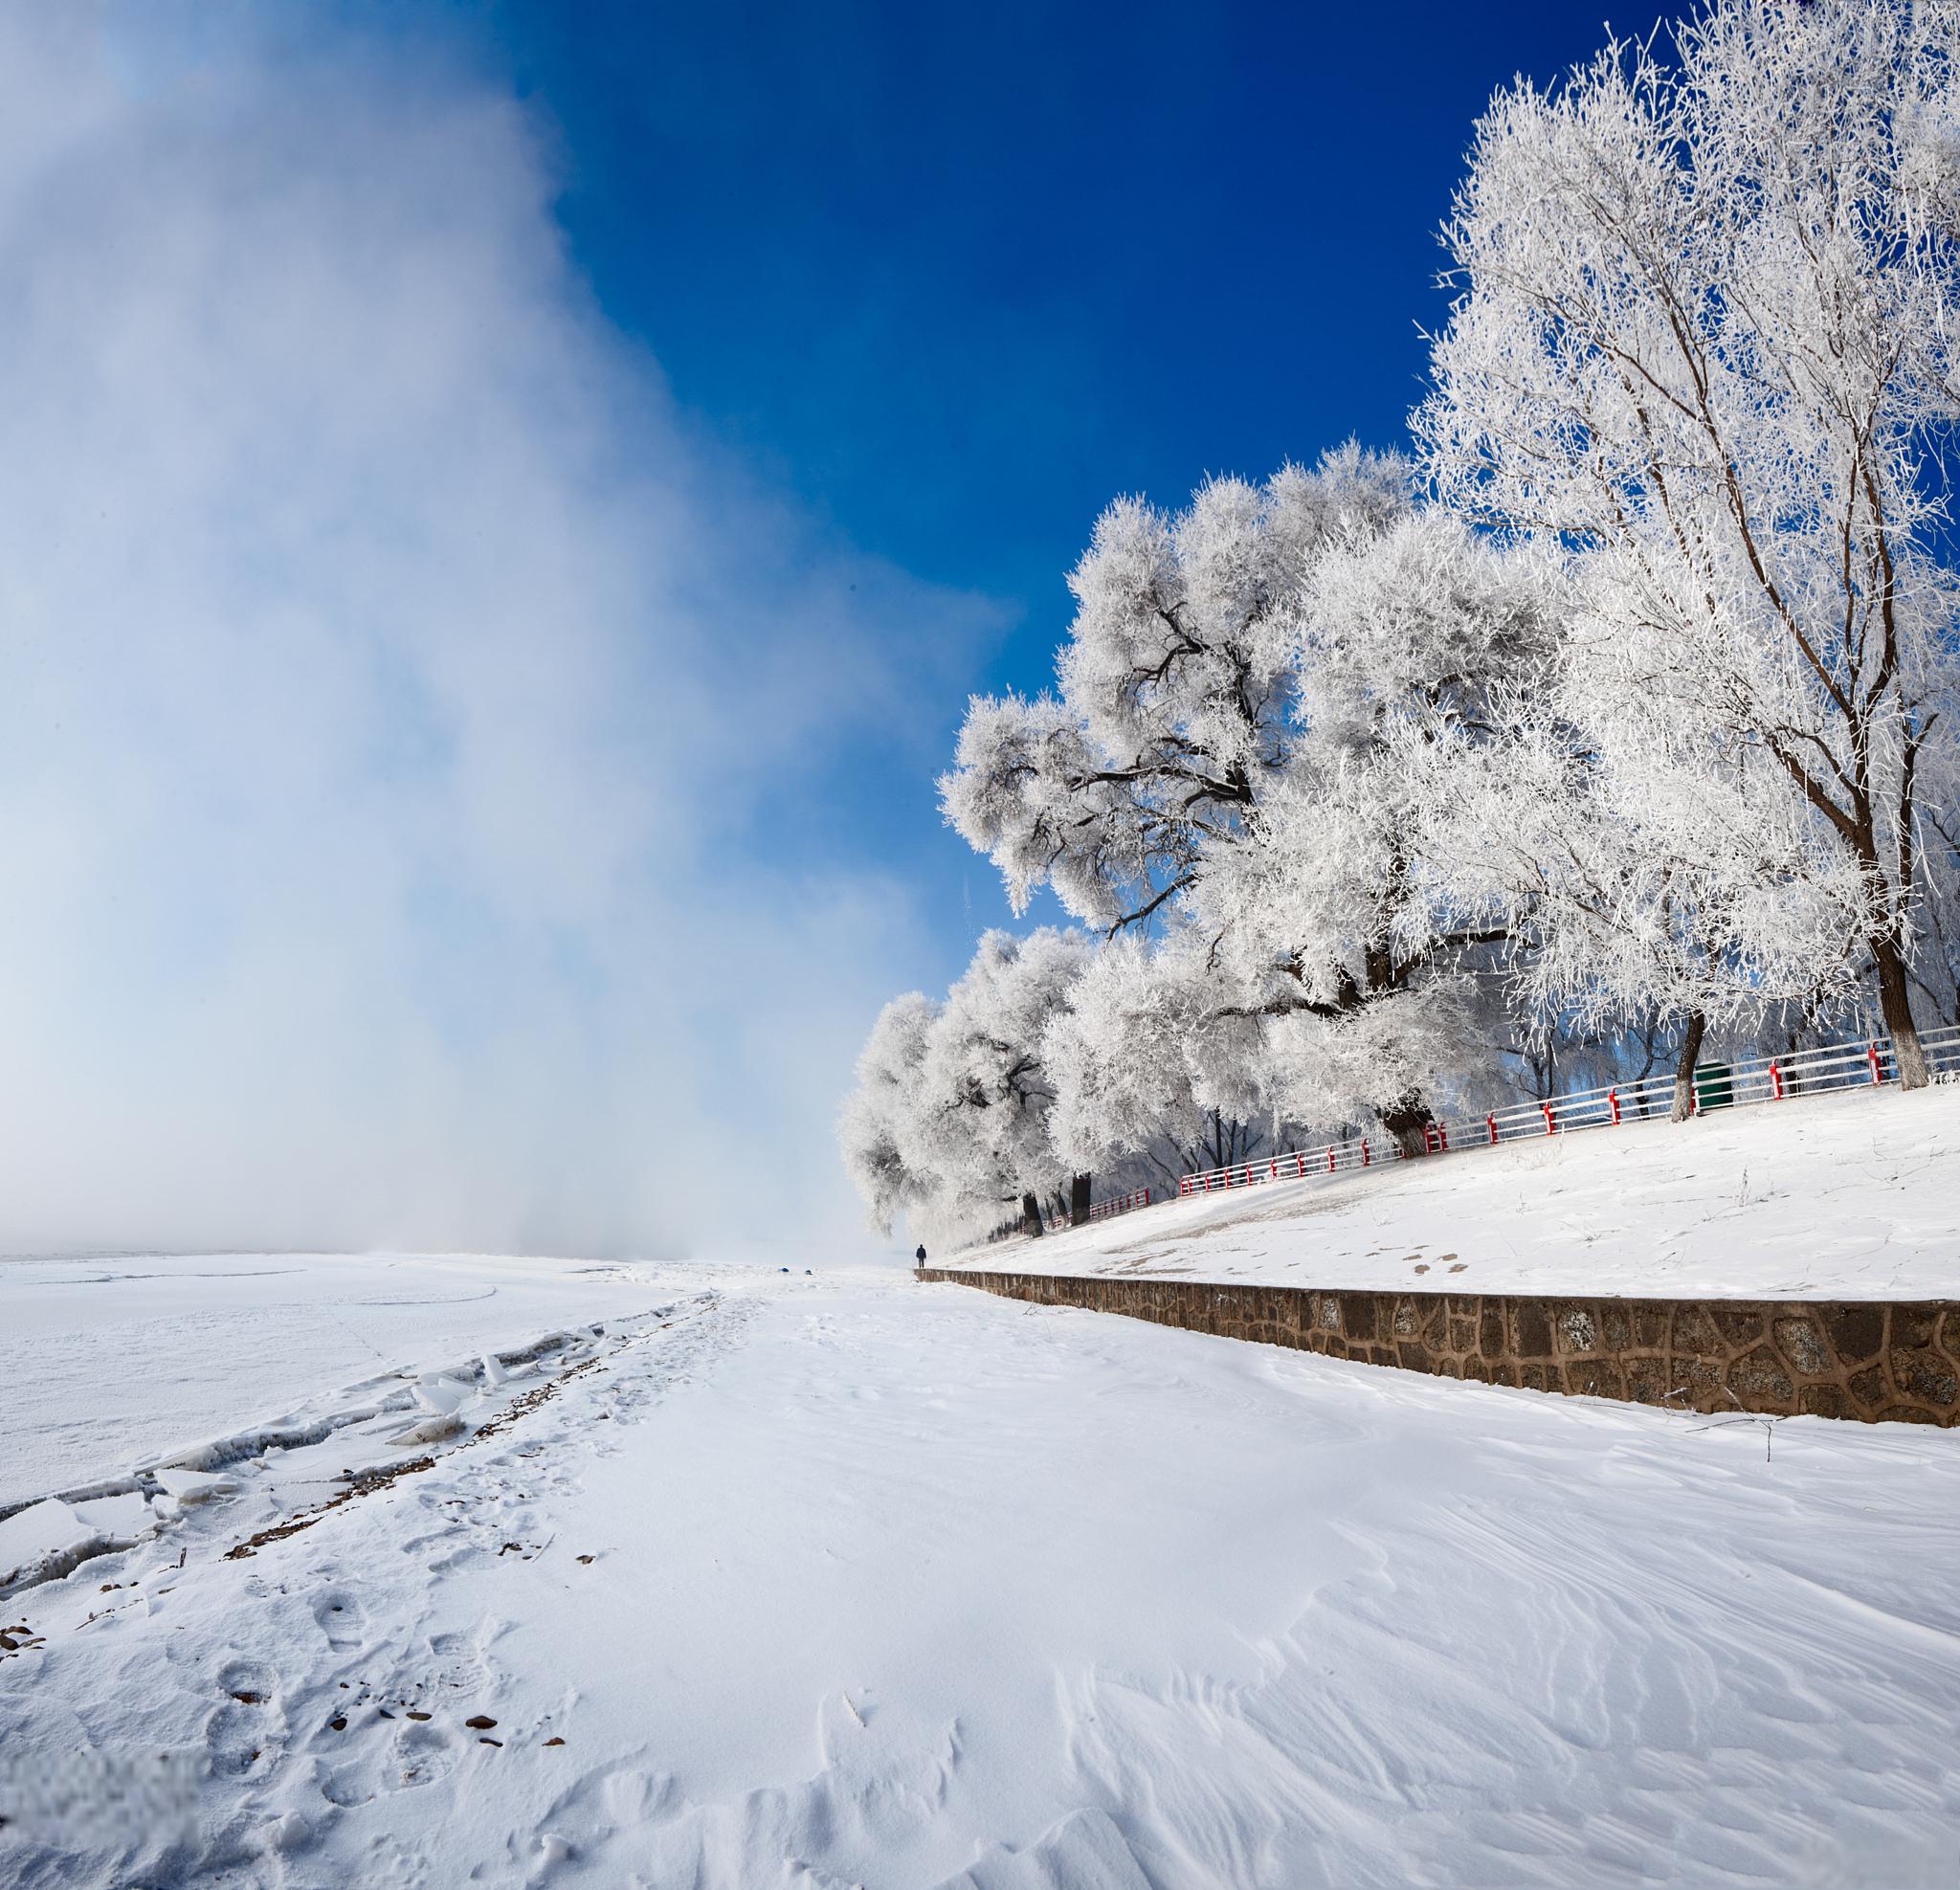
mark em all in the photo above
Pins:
pixel 892 1585
pixel 1852 1196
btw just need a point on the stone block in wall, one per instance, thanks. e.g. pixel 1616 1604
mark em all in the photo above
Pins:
pixel 1921 1373
pixel 1758 1379
pixel 1530 1330
pixel 1801 1344
pixel 1697 1383
pixel 1648 1380
pixel 1694 1333
pixel 1856 1332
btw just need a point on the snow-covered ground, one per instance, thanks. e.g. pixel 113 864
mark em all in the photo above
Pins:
pixel 1854 1196
pixel 112 1361
pixel 844 1581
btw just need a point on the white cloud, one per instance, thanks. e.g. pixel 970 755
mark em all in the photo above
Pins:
pixel 386 680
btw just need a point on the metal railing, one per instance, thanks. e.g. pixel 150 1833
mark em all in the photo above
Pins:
pixel 1114 1204
pixel 1718 1085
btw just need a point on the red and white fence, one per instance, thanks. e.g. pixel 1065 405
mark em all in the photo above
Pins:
pixel 1115 1204
pixel 1120 1204
pixel 1717 1086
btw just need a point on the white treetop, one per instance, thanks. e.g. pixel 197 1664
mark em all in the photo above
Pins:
pixel 1172 708
pixel 1242 691
pixel 1704 348
pixel 877 1129
pixel 948 1121
pixel 1142 1060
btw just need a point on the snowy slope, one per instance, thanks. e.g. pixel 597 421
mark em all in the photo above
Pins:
pixel 849 1581
pixel 1854 1196
pixel 109 1362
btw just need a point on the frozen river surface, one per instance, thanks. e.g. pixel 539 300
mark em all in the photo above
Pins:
pixel 113 1361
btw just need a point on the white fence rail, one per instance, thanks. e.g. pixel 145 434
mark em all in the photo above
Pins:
pixel 1717 1086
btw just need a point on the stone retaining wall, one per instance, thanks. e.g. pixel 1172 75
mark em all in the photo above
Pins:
pixel 1846 1358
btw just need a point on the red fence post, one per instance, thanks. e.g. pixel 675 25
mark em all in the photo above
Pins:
pixel 1363 1151
pixel 1775 1080
pixel 1551 1121
pixel 1442 1136
pixel 1613 1104
pixel 1490 1122
pixel 1878 1072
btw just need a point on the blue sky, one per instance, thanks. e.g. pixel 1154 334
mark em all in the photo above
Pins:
pixel 958 276
pixel 507 502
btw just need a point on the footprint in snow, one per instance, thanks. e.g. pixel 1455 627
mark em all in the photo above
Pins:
pixel 247 1727
pixel 423 1753
pixel 249 1682
pixel 633 1797
pixel 340 1619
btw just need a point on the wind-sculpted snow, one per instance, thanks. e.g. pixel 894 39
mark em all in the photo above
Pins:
pixel 846 1581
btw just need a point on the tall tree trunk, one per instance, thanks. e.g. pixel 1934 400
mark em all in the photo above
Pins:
pixel 1895 1003
pixel 1684 1067
pixel 1031 1214
pixel 1079 1201
pixel 1407 1120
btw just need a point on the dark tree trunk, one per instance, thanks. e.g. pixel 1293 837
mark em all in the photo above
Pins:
pixel 1408 1120
pixel 1684 1067
pixel 1896 1006
pixel 1079 1201
pixel 1031 1216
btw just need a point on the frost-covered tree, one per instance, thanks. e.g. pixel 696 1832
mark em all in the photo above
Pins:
pixel 1644 889
pixel 987 1091
pixel 877 1129
pixel 1340 926
pixel 1937 974
pixel 949 1118
pixel 1146 1067
pixel 1171 714
pixel 1244 686
pixel 1704 348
